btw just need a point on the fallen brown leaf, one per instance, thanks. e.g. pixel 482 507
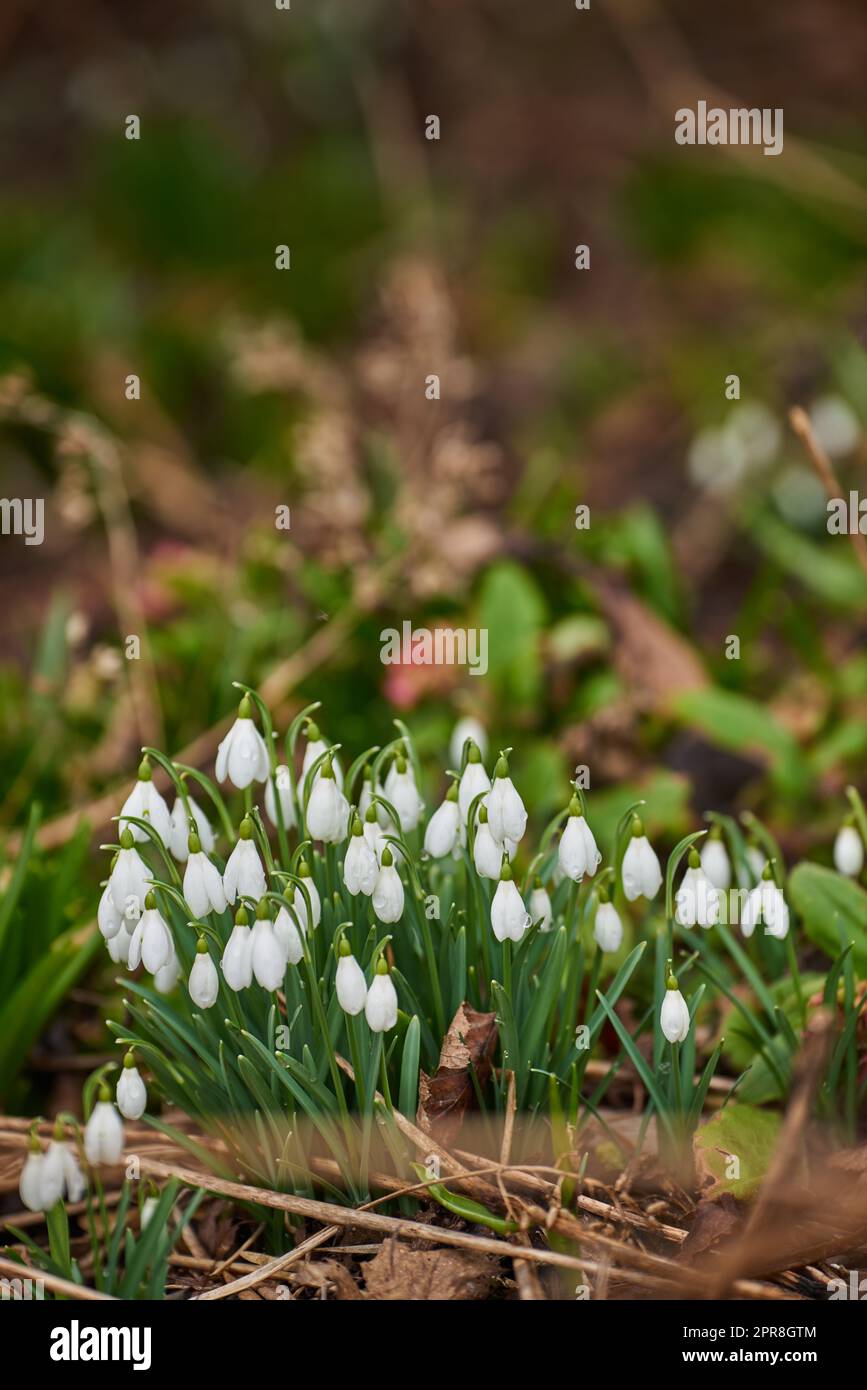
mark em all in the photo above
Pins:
pixel 399 1272
pixel 445 1097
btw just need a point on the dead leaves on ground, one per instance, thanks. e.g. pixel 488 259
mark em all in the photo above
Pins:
pixel 445 1097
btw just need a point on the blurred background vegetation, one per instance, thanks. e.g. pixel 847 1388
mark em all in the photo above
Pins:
pixel 306 388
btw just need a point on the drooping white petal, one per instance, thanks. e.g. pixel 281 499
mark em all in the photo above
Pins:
pixel 284 795
pixel 129 882
pixel 350 985
pixel 465 728
pixel 132 1096
pixel 715 862
pixel 577 854
pixel 289 937
pixel 30 1181
pixel 360 867
pixel 507 816
pixel 848 852
pixel 237 962
pixel 487 854
pixel 108 918
pixel 103 1134
pixel 443 828
pixel 203 885
pixel 697 901
pixel 204 983
pixel 180 832
pixel 244 874
pixel 380 1008
pixel 607 928
pixel 674 1016
pixel 242 756
pixel 509 916
pixel 474 781
pixel 540 908
pixel 387 899
pixel 268 956
pixel 156 940
pixel 642 876
pixel 327 814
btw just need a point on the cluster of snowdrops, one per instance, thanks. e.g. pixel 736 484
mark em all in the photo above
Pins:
pixel 481 817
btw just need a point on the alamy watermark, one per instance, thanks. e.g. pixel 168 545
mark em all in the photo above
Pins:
pixel 738 126
pixel 23 516
pixel 439 646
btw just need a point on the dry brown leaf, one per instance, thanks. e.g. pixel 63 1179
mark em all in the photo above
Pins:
pixel 398 1272
pixel 712 1223
pixel 445 1097
pixel 329 1275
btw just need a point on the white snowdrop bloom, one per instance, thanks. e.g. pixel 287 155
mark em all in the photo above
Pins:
pixel 299 903
pixel 848 852
pixel 148 1207
pixel 509 916
pixel 242 756
pixel 327 814
pixel 180 833
pixel 375 833
pixel 443 829
pixel 697 901
pixel 203 884
pixel 766 904
pixel 642 875
pixel 365 798
pixel 237 961
pixel 145 802
pixel 168 974
pixel 103 1133
pixel 715 862
pixel 119 946
pixel 835 425
pixel 387 899
pixel 507 815
pixel 30 1181
pixel 131 1095
pixel 283 778
pixel 360 867
pixel 474 780
pixel 349 982
pixel 577 853
pixel 467 728
pixel 154 937
pixel 487 853
pixel 129 880
pixel 402 792
pixel 607 927
pixel 674 1014
pixel 288 936
pixel 756 861
pixel 243 875
pixel 48 1177
pixel 316 746
pixel 380 1008
pixel 204 983
pixel 540 907
pixel 267 955
pixel 108 918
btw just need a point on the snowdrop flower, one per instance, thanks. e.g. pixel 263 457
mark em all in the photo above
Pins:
pixel 473 781
pixel 509 917
pixel 131 1095
pixel 402 792
pixel 327 814
pixel 179 842
pixel 642 875
pixel 374 832
pixel 380 1008
pixel 507 816
pixel 283 798
pixel 151 941
pixel 756 860
pixel 288 937
pixel 204 983
pixel 607 926
pixel 30 1181
pixel 349 981
pixel 848 851
pixel 149 1206
pixel 467 728
pixel 145 802
pixel 316 746
pixel 715 860
pixel 103 1133
pixel 540 906
pixel 243 875
pixel 443 828
pixel 108 918
pixel 237 962
pixel 119 946
pixel 299 903
pixel 487 853
pixel 242 756
pixel 47 1177
pixel 168 974
pixel 360 867
pixel 267 955
pixel 130 878
pixel 697 901
pixel 387 899
pixel 577 854
pixel 766 904
pixel 674 1015
pixel 365 798
pixel 203 886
